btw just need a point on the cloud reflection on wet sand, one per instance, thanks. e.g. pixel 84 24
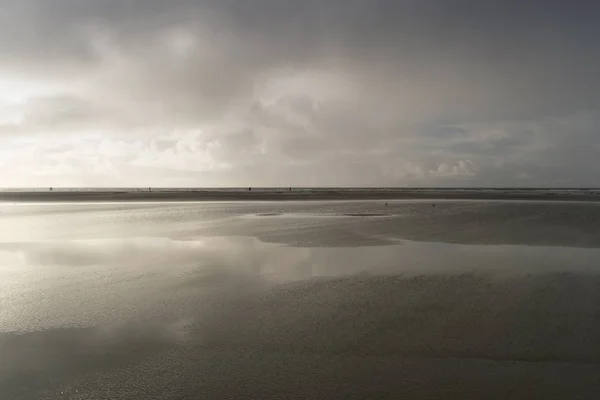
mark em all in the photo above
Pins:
pixel 230 317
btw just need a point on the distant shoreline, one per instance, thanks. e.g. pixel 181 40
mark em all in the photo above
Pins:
pixel 285 194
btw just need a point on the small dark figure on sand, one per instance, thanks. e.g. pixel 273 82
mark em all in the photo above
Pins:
pixel 386 204
pixel 249 189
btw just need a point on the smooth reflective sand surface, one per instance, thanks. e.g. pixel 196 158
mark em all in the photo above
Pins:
pixel 300 300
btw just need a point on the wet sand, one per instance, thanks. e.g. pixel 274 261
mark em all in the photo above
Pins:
pixel 465 300
pixel 447 337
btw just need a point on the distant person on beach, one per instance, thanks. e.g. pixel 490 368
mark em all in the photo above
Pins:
pixel 249 189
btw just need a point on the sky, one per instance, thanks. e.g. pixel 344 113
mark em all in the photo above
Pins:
pixel 212 93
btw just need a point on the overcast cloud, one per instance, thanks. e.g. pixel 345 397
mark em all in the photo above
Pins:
pixel 302 93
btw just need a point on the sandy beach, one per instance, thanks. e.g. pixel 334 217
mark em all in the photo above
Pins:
pixel 306 300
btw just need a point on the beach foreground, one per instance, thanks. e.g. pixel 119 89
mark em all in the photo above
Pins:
pixel 464 300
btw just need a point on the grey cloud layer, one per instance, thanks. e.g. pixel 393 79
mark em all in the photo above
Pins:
pixel 355 91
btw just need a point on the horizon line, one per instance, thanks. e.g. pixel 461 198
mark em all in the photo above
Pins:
pixel 300 187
